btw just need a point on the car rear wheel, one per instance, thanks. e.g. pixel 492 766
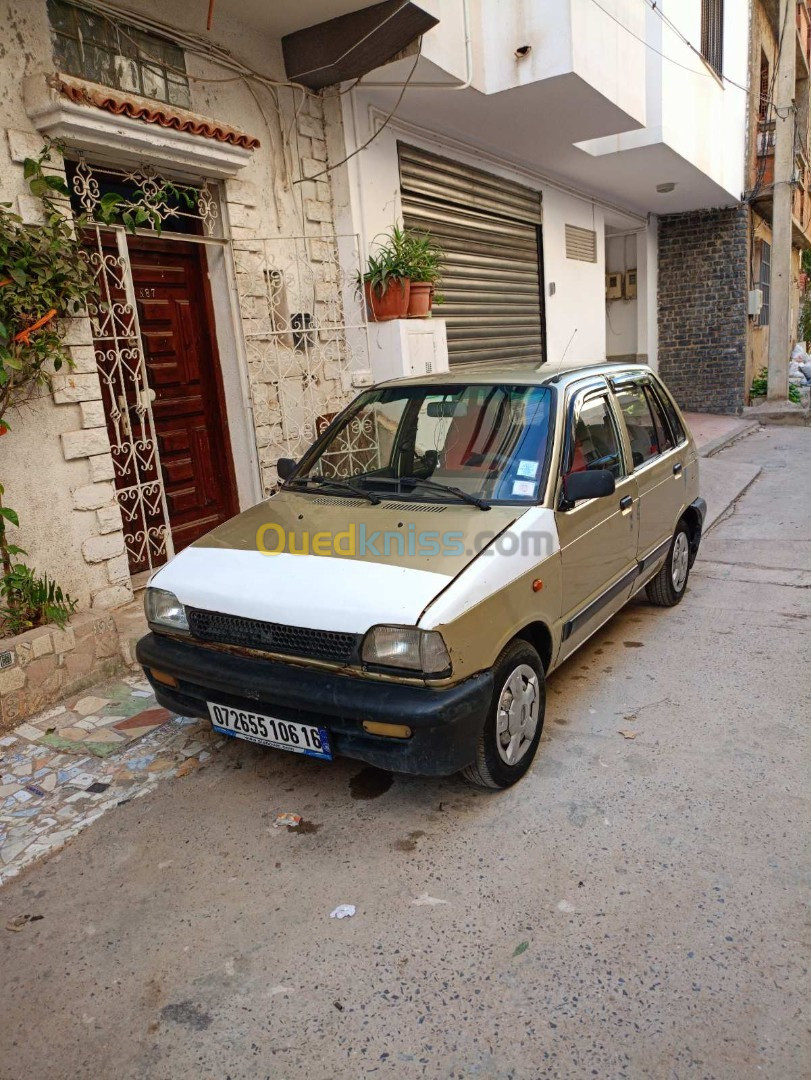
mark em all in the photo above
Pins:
pixel 669 585
pixel 512 731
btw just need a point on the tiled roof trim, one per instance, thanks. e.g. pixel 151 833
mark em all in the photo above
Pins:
pixel 151 112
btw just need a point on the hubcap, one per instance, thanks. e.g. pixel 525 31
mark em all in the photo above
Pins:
pixel 517 714
pixel 679 560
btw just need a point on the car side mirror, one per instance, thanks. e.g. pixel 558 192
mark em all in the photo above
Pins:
pixel 285 466
pixel 591 484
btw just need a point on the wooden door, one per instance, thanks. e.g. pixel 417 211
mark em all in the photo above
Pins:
pixel 177 331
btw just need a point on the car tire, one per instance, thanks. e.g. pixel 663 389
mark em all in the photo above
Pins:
pixel 518 666
pixel 670 584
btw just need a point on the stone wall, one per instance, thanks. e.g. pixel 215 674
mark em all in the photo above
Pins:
pixel 702 308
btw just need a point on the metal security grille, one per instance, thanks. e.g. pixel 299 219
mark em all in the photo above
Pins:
pixel 490 230
pixel 712 33
pixel 217 628
pixel 581 244
pixel 127 400
pixel 305 329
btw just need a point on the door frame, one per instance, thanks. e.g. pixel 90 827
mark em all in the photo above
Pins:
pixel 211 381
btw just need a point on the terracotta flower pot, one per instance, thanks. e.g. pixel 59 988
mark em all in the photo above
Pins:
pixel 392 304
pixel 420 299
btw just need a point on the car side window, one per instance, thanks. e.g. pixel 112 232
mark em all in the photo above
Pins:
pixel 676 426
pixel 596 443
pixel 638 420
pixel 659 420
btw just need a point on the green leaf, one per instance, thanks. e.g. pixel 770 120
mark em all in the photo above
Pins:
pixel 56 183
pixel 12 549
pixel 30 168
pixel 18 275
pixel 110 202
pixel 10 515
pixel 39 187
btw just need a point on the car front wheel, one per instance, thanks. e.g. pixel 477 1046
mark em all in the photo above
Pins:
pixel 669 585
pixel 512 731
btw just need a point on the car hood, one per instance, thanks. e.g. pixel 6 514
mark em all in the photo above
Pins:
pixel 335 563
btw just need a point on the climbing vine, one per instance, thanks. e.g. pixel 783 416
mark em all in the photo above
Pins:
pixel 43 278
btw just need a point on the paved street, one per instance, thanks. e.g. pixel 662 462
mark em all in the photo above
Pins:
pixel 631 909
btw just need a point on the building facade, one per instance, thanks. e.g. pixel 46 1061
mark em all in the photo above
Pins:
pixel 581 163
pixel 779 34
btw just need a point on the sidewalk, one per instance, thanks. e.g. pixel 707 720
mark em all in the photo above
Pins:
pixel 62 770
pixel 713 432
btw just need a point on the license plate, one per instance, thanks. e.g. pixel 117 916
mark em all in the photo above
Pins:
pixel 268 731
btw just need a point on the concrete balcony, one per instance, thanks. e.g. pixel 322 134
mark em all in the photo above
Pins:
pixel 580 92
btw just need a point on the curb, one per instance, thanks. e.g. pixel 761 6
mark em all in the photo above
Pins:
pixel 722 515
pixel 722 441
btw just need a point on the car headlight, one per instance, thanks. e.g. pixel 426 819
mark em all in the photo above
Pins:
pixel 406 647
pixel 164 609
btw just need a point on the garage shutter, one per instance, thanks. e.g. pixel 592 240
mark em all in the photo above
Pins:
pixel 490 230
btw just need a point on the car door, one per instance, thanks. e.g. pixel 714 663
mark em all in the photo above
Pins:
pixel 658 463
pixel 598 539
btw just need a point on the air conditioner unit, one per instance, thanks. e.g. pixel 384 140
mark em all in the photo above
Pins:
pixel 630 285
pixel 755 301
pixel 613 286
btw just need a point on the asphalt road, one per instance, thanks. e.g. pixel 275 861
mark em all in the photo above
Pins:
pixel 632 909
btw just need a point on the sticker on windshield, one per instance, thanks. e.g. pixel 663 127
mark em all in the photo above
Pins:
pixel 523 487
pixel 528 469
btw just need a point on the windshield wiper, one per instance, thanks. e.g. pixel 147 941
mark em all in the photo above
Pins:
pixel 343 485
pixel 447 489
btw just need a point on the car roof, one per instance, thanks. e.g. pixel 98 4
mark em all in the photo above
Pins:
pixel 518 372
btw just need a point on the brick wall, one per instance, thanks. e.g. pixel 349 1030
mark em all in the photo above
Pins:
pixel 702 308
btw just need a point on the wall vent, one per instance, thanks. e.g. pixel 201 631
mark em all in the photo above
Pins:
pixel 581 244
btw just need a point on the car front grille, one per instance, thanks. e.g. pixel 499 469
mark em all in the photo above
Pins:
pixel 217 628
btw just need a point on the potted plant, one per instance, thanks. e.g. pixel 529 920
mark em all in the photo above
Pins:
pixel 386 287
pixel 424 260
pixel 386 282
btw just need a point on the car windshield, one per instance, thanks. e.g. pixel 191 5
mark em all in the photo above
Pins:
pixel 489 442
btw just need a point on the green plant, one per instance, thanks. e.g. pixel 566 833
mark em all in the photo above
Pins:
pixel 423 257
pixel 760 384
pixel 760 387
pixel 43 277
pixel 32 599
pixel 401 254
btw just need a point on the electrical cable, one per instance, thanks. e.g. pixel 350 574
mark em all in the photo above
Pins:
pixel 354 45
pixel 373 136
pixel 670 59
pixel 654 6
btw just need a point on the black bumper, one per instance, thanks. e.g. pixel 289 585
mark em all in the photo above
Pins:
pixel 445 723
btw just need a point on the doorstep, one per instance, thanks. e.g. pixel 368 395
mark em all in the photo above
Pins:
pixel 779 412
pixel 64 768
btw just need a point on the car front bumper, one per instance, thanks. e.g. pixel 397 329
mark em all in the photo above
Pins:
pixel 445 723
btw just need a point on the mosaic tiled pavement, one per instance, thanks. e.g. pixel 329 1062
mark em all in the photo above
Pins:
pixel 62 770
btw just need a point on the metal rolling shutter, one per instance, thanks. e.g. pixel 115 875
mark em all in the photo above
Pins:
pixel 490 230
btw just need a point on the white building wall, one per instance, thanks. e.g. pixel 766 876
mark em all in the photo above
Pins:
pixel 574 290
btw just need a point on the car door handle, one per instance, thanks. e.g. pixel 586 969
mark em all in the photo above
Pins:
pixel 626 502
pixel 677 468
